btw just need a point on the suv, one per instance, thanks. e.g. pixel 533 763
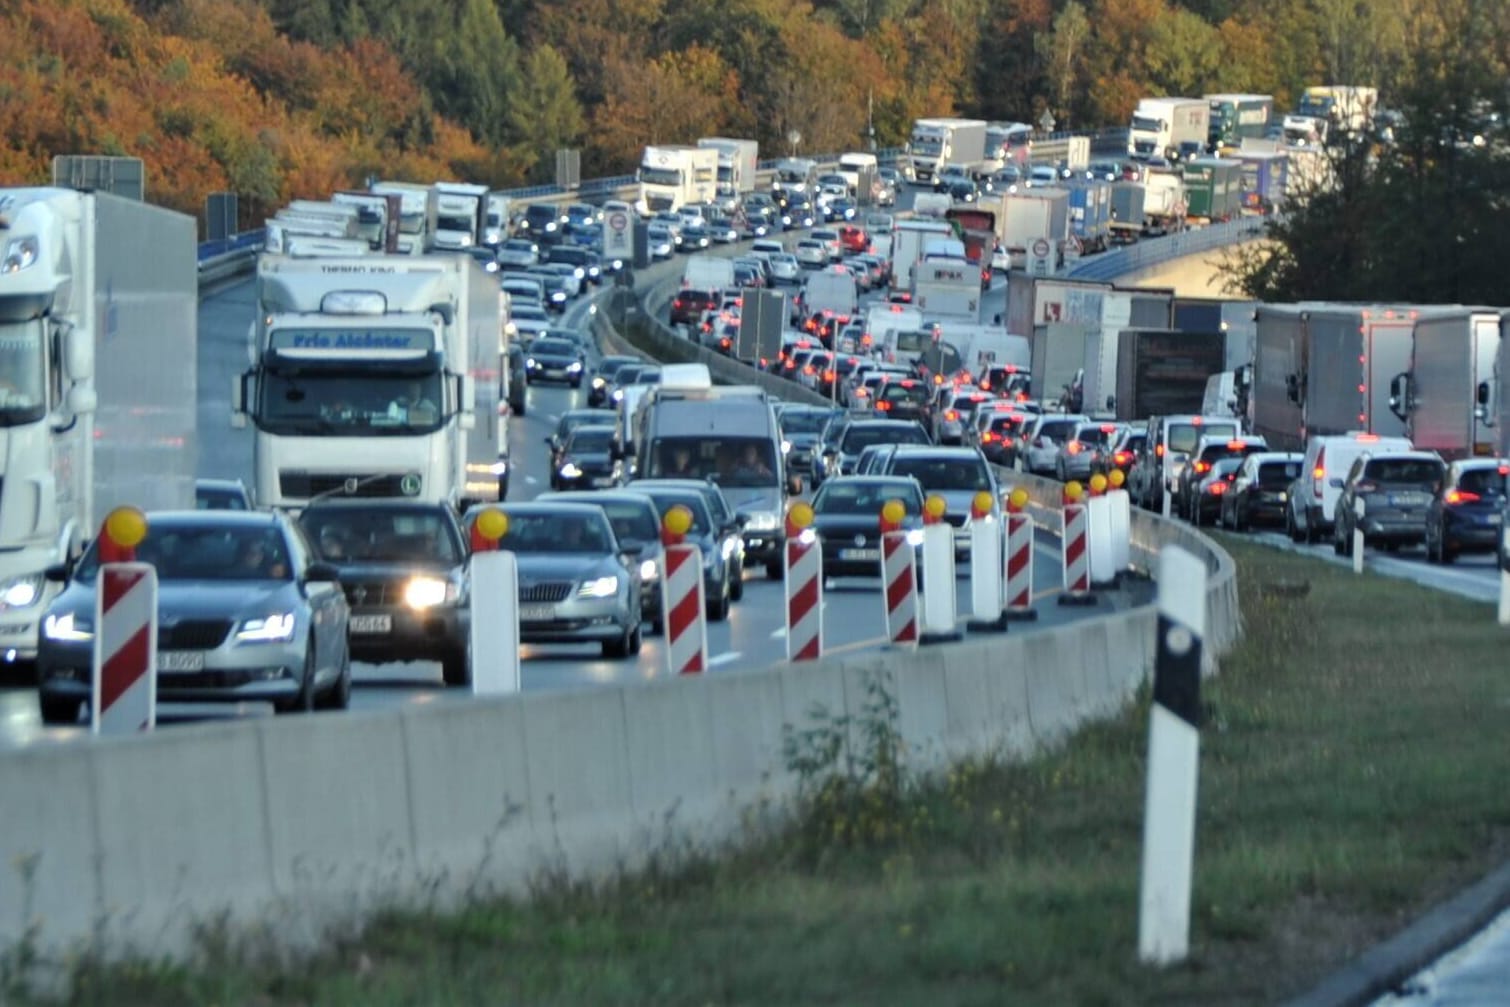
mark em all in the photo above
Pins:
pixel 1208 451
pixel 1394 490
pixel 955 473
pixel 688 305
pixel 543 222
pixel 403 567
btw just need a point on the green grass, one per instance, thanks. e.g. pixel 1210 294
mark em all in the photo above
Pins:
pixel 1352 774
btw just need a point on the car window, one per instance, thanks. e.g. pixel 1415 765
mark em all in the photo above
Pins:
pixel 702 522
pixel 559 532
pixel 1486 482
pixel 1417 471
pixel 944 473
pixel 1278 475
pixel 560 346
pixel 857 438
pixel 590 440
pixel 380 535
pixel 804 421
pixel 207 552
pixel 866 498
pixel 903 391
pixel 1182 437
pixel 1056 430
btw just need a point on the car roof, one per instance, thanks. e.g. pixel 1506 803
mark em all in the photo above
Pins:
pixel 939 450
pixel 551 507
pixel 590 497
pixel 702 485
pixel 216 518
pixel 219 484
pixel 374 503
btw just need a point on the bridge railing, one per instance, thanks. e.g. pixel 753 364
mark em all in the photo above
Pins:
pixel 1155 251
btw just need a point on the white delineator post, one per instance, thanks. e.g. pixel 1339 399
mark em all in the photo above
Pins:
pixel 124 663
pixel 1358 540
pixel 1019 560
pixel 1120 503
pixel 1098 519
pixel 939 607
pixel 987 569
pixel 899 585
pixel 1074 541
pixel 682 598
pixel 493 609
pixel 1173 761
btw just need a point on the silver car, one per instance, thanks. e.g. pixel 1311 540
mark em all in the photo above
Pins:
pixel 518 253
pixel 245 613
pixel 577 584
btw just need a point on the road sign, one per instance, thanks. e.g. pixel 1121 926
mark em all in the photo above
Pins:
pixel 618 235
pixel 1041 257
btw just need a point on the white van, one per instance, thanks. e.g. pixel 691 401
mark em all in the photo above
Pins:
pixel 1327 461
pixel 850 166
pixel 708 272
pixel 833 290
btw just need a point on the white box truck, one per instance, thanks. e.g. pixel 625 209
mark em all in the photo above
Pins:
pixel 909 238
pixel 947 288
pixel 676 176
pixel 364 380
pixel 1172 128
pixel 1446 398
pixel 736 168
pixel 417 213
pixel 98 348
pixel 936 144
pixel 461 215
pixel 1033 215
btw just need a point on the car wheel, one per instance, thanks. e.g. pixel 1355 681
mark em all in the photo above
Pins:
pixel 59 709
pixel 1291 528
pixel 338 696
pixel 773 570
pixel 718 608
pixel 456 667
pixel 619 648
pixel 304 702
pixel 736 582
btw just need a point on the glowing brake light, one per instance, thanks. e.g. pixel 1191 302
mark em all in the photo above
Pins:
pixel 883 406
pixel 1202 467
pixel 987 437
pixel 1217 489
pixel 1159 451
pixel 1235 445
pixel 1122 457
pixel 950 416
pixel 1462 496
pixel 1073 447
pixel 1107 428
pixel 1504 470
pixel 1319 472
pixel 1366 438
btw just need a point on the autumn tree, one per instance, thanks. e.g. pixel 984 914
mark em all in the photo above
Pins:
pixel 1062 51
pixel 545 115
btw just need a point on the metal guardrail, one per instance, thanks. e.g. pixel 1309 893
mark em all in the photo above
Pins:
pixel 1155 251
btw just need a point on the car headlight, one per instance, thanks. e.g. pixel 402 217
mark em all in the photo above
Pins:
pixel 531 362
pixel 649 570
pixel 571 471
pixel 21 592
pixel 427 592
pixel 786 447
pixel 915 537
pixel 558 295
pixel 603 587
pixel 575 365
pixel 67 627
pixel 277 628
pixel 551 226
pixel 763 521
pixel 599 383
pixel 618 395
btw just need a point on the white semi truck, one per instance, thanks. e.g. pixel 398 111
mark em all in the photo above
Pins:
pixel 936 144
pixel 736 168
pixel 461 215
pixel 677 176
pixel 1173 128
pixel 417 215
pixel 98 347
pixel 378 217
pixel 1328 111
pixel 377 376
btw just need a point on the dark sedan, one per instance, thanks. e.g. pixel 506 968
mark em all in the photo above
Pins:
pixel 717 543
pixel 569 421
pixel 847 521
pixel 245 613
pixel 402 566
pixel 551 359
pixel 1467 512
pixel 586 460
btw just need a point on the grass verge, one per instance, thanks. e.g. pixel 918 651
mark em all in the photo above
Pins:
pixel 1352 774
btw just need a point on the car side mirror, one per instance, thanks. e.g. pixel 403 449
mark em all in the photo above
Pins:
pixel 321 573
pixel 794 485
pixel 58 573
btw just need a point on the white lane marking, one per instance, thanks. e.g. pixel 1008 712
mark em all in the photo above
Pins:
pixel 733 655
pixel 778 633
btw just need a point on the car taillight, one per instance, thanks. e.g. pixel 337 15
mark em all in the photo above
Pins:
pixel 1217 489
pixel 951 416
pixel 1159 451
pixel 884 407
pixel 1073 447
pixel 1122 457
pixel 987 437
pixel 1202 467
pixel 808 369
pixel 1462 496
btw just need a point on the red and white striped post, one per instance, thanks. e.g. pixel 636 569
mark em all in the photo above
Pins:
pixel 123 699
pixel 682 596
pixel 987 569
pixel 1075 544
pixel 1019 557
pixel 898 577
pixel 804 585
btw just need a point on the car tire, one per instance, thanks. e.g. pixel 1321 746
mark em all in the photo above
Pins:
pixel 456 668
pixel 59 709
pixel 736 583
pixel 718 608
pixel 338 696
pixel 1311 534
pixel 620 648
pixel 773 570
pixel 304 702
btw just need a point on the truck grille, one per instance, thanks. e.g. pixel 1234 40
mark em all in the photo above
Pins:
pixel 193 634
pixel 303 485
pixel 550 591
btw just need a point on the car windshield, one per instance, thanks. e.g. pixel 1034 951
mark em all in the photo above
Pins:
pixel 572 420
pixel 664 501
pixel 631 521
pixel 866 497
pixel 1182 437
pixel 558 347
pixel 348 534
pixel 804 421
pixel 944 473
pixel 214 498
pixel 558 531
pixel 1093 435
pixel 858 438
pixel 729 461
pixel 903 391
pixel 206 552
pixel 595 440
pixel 1278 475
pixel 1056 430
pixel 1414 471
pixel 1486 482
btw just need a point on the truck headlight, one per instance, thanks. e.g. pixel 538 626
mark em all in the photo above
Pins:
pixel 599 383
pixel 571 471
pixel 427 592
pixel 277 628
pixel 603 587
pixel 20 253
pixel 21 592
pixel 67 627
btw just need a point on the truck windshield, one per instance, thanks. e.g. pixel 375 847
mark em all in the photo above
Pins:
pixel 23 385
pixel 460 222
pixel 357 400
pixel 660 176
pixel 1143 124
pixel 928 146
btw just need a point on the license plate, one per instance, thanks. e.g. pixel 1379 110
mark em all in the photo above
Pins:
pixel 859 554
pixel 372 624
pixel 537 613
pixel 180 660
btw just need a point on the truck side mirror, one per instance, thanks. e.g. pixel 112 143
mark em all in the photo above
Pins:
pixel 78 353
pixel 82 400
pixel 1399 395
pixel 1292 387
pixel 1484 411
pixel 466 401
pixel 239 384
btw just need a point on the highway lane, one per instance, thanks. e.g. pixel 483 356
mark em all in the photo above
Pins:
pixel 753 636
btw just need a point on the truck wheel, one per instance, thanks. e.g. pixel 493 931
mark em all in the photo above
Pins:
pixel 59 709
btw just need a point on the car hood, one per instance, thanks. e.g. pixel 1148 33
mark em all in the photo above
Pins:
pixel 387 570
pixel 753 498
pixel 594 460
pixel 555 358
pixel 198 599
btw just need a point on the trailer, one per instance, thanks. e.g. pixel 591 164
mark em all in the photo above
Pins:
pixel 1090 213
pixel 1213 188
pixel 1173 128
pixel 1237 117
pixel 1445 399
pixel 1265 175
pixel 1034 214
pixel 1164 202
pixel 1122 308
pixel 1128 201
pixel 1164 372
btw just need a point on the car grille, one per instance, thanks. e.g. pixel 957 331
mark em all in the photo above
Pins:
pixel 373 593
pixel 193 634
pixel 303 485
pixel 550 591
